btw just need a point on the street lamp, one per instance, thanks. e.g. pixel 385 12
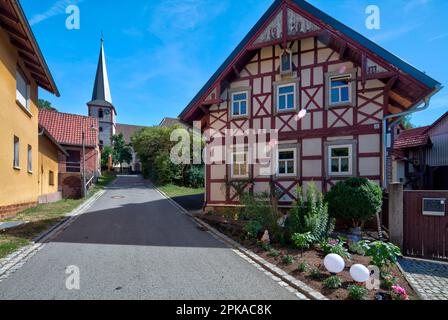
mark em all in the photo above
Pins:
pixel 84 182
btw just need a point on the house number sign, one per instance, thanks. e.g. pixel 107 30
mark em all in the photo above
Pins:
pixel 434 207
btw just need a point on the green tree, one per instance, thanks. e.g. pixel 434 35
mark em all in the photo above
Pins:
pixel 122 153
pixel 406 122
pixel 45 105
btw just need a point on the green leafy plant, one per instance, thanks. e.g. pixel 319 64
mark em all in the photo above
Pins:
pixel 303 267
pixel 335 246
pixel 252 228
pixel 302 240
pixel 333 282
pixel 274 253
pixel 315 274
pixel 257 208
pixel 388 280
pixel 287 260
pixel 355 199
pixel 264 246
pixel 357 248
pixel 310 218
pixel 383 254
pixel 357 292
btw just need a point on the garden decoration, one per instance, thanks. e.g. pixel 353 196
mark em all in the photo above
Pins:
pixel 359 273
pixel 334 263
pixel 265 238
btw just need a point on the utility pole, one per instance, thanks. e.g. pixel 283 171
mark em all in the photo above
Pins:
pixel 84 187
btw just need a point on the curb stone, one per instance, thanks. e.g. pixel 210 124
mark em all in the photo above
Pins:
pixel 14 261
pixel 277 274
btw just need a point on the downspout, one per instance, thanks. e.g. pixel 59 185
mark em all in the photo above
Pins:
pixel 426 100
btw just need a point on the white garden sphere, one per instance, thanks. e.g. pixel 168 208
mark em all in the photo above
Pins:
pixel 334 263
pixel 359 273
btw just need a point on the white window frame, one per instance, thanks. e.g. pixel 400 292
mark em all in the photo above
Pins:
pixel 350 90
pixel 350 160
pixel 233 163
pixel 286 95
pixel 294 150
pixel 232 101
pixel 22 100
pixel 16 153
pixel 30 159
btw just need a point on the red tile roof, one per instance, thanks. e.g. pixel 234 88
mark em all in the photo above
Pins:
pixel 67 128
pixel 412 138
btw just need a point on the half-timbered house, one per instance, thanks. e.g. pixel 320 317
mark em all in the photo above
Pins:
pixel 298 58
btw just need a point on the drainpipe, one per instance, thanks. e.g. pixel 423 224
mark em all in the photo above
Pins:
pixel 426 100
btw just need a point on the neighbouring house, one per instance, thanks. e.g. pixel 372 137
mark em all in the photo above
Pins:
pixel 68 130
pixel 102 108
pixel 169 122
pixel 421 157
pixel 22 70
pixel 296 59
pixel 48 170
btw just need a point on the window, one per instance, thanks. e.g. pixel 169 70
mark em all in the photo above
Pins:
pixel 22 90
pixel 286 62
pixel 286 97
pixel 340 90
pixel 239 104
pixel 240 167
pixel 73 161
pixel 51 178
pixel 101 129
pixel 100 113
pixel 340 160
pixel 286 162
pixel 16 162
pixel 30 159
pixel 101 142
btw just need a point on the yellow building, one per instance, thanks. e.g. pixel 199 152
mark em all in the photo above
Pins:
pixel 22 71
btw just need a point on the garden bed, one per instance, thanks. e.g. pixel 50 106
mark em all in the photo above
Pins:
pixel 312 258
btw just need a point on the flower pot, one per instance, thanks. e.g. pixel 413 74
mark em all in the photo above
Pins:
pixel 355 234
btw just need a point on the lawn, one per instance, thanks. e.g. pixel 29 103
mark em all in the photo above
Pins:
pixel 41 218
pixel 173 191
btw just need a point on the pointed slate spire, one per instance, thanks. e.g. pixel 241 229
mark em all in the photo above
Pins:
pixel 101 89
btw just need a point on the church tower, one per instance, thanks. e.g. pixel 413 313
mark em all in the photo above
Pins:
pixel 101 106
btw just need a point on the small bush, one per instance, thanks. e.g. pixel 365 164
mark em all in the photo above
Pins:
pixel 264 246
pixel 388 280
pixel 287 260
pixel 302 267
pixel 315 274
pixel 194 177
pixel 252 228
pixel 274 253
pixel 302 240
pixel 355 199
pixel 357 248
pixel 335 246
pixel 383 253
pixel 333 282
pixel 356 292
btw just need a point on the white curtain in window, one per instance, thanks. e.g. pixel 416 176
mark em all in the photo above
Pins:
pixel 21 90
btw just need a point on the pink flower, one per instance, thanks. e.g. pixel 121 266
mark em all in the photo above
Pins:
pixel 333 242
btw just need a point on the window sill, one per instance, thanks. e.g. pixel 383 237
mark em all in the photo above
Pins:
pixel 30 172
pixel 341 105
pixel 17 168
pixel 286 111
pixel 232 117
pixel 25 109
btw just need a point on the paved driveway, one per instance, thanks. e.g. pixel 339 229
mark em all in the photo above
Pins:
pixel 134 244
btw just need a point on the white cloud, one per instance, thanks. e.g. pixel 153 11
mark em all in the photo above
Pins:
pixel 56 9
pixel 415 4
pixel 440 36
pixel 394 34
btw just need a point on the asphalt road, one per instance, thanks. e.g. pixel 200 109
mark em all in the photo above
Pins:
pixel 134 244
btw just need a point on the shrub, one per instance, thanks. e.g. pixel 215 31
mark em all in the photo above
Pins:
pixel 356 292
pixel 265 246
pixel 358 248
pixel 355 199
pixel 399 293
pixel 256 208
pixel 333 282
pixel 287 260
pixel 315 274
pixel 310 216
pixel 335 246
pixel 194 176
pixel 302 267
pixel 382 253
pixel 302 240
pixel 274 253
pixel 252 228
pixel 388 280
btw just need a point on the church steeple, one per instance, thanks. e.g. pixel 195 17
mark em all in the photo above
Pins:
pixel 101 89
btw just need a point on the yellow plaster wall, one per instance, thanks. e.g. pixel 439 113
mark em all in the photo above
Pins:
pixel 48 161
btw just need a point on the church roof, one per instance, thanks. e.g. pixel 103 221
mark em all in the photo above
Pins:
pixel 329 25
pixel 66 128
pixel 128 130
pixel 101 95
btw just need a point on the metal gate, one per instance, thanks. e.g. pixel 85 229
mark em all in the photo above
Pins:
pixel 425 224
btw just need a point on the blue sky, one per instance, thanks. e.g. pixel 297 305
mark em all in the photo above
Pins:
pixel 160 53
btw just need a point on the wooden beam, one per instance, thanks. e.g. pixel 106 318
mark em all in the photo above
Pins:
pixel 8 15
pixel 21 46
pixel 34 69
pixel 30 58
pixel 14 31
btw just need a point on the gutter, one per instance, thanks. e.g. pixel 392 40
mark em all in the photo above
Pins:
pixel 426 101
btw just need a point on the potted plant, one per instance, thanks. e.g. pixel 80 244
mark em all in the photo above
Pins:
pixel 357 200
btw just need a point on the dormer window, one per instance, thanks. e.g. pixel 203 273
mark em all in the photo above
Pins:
pixel 286 62
pixel 100 113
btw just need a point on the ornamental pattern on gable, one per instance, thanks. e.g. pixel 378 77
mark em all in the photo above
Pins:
pixel 298 24
pixel 274 31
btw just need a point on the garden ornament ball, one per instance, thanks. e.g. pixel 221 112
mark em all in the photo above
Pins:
pixel 359 273
pixel 334 263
